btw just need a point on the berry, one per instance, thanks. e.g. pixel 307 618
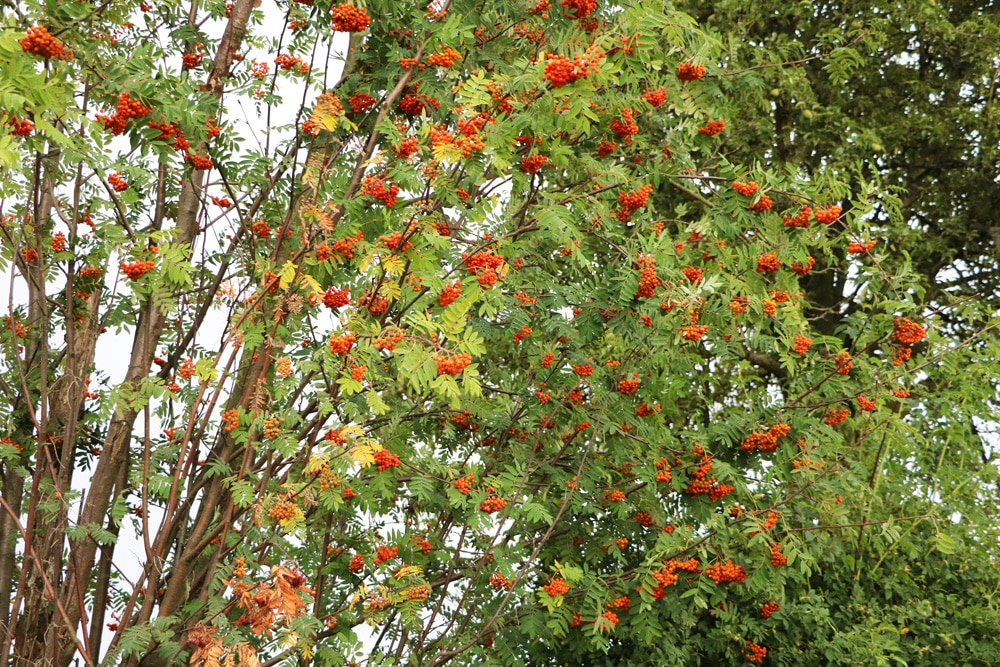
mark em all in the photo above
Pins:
pixel 655 97
pixel 802 344
pixel 556 587
pixel 762 204
pixel 348 18
pixel 745 189
pixel 342 344
pixel 725 572
pixel 907 332
pixel 828 214
pixel 690 71
pixel 769 608
pixel 452 364
pixel 385 460
pixel 336 298
pixel 712 128
pixel 41 43
pixel 493 504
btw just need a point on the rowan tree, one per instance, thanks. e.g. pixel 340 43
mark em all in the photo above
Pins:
pixel 461 334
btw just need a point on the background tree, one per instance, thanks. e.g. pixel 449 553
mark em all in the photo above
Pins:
pixel 542 334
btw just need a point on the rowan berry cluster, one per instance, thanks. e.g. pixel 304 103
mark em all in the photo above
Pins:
pixel 126 110
pixel 549 358
pixel 663 468
pixel 761 205
pixel 357 563
pixel 493 504
pixel 629 387
pixel 192 59
pixel 828 214
pixel 625 127
pixel 631 202
pixel 137 269
pixel 644 409
pixel 694 332
pixel 376 187
pixel 446 58
pixel 118 183
pixel 765 442
pixel 168 132
pixel 407 148
pixel 30 255
pixel 583 370
pixel 802 344
pixel 361 102
pixel 722 573
pixel 648 281
pixel 754 653
pixel 907 332
pixel 745 189
pixel 655 97
pixel 843 362
pixel 345 247
pixel 712 128
pixel 348 18
pixel 342 344
pixel 484 266
pixel 803 268
pixel 606 147
pixel 532 164
pixel 200 162
pixel 388 340
pixel 58 241
pixel 336 298
pixel 778 559
pixel 578 9
pixel 800 219
pixel 690 71
pixel 611 617
pixel 20 127
pixel 464 484
pixel 289 62
pixel 768 263
pixel 283 367
pixel 614 495
pixel 452 364
pixel 283 510
pixel 858 248
pixel 561 71
pixel 556 587
pixel 866 404
pixel 521 334
pixel 230 420
pixel 384 459
pixel 272 428
pixel 384 553
pixel 769 608
pixel 623 603
pixel 43 44
pixel 500 582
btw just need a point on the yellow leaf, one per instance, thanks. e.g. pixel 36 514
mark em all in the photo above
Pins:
pixel 407 571
pixel 287 275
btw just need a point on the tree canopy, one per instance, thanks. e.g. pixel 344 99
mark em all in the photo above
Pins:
pixel 512 333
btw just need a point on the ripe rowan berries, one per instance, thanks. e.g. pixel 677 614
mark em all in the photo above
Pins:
pixel 342 344
pixel 907 332
pixel 754 653
pixel 802 268
pixel 29 255
pixel 230 420
pixel 858 248
pixel 384 553
pixel 283 510
pixel 376 188
pixel 655 97
pixel 843 362
pixel 117 182
pixel 361 102
pixel 828 214
pixel 547 360
pixel 532 164
pixel 135 270
pixel 523 333
pixel 690 71
pixel 500 582
pixel 836 416
pixel 606 147
pixel 385 460
pixel 357 563
pixel 762 204
pixel 20 127
pixel 802 344
pixel 769 608
pixel 445 58
pixel 694 332
pixel 712 128
pixel 583 370
pixel 866 404
pixel 336 298
pixel 578 9
pixel 625 127
pixel 631 202
pixel 556 587
pixel 726 572
pixel 58 242
pixel 629 387
pixel 778 559
pixel 452 364
pixel 800 219
pixel 41 43
pixel 493 504
pixel 348 18
pixel 745 189
pixel 272 428
pixel 611 617
pixel 464 484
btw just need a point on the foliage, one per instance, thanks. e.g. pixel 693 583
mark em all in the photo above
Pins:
pixel 542 334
